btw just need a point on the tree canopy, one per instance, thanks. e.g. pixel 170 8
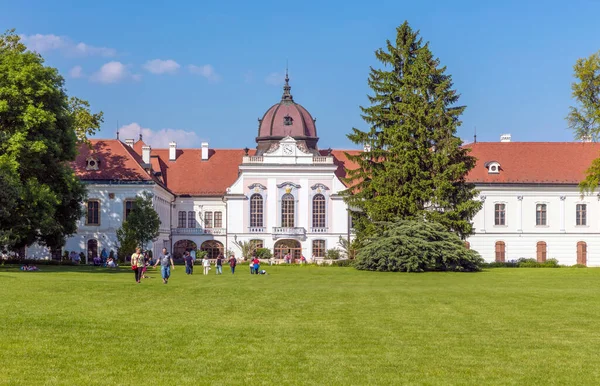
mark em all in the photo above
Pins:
pixel 584 118
pixel 413 165
pixel 40 129
pixel 417 246
pixel 140 227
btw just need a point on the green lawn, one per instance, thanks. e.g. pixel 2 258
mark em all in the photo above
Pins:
pixel 300 325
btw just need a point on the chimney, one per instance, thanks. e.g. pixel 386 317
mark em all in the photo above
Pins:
pixel 505 138
pixel 146 154
pixel 129 142
pixel 586 138
pixel 172 151
pixel 366 147
pixel 204 151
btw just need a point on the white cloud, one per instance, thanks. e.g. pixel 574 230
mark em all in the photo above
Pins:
pixel 158 66
pixel 45 43
pixel 111 72
pixel 275 79
pixel 76 72
pixel 160 138
pixel 206 71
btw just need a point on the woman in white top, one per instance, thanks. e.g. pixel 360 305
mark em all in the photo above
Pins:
pixel 206 264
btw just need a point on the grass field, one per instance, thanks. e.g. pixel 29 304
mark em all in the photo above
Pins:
pixel 300 325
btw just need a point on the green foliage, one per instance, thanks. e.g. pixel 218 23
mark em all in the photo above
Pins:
pixel 523 263
pixel 343 263
pixel 584 118
pixel 127 242
pixel 264 253
pixel 417 246
pixel 348 248
pixel 579 266
pixel 143 221
pixel 332 254
pixel 86 123
pixel 40 199
pixel 201 254
pixel 247 248
pixel 414 166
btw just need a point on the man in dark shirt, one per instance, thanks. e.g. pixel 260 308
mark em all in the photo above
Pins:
pixel 219 264
pixel 189 263
pixel 232 263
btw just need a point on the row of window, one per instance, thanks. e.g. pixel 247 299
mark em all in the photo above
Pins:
pixel 541 217
pixel 288 211
pixel 541 252
pixel 93 211
pixel 211 220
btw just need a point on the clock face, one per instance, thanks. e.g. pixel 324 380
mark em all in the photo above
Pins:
pixel 287 150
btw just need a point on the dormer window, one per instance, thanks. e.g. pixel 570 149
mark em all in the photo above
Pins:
pixel 287 120
pixel 92 163
pixel 493 167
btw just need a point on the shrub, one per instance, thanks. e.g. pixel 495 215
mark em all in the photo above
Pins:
pixel 200 254
pixel 263 253
pixel 579 266
pixel 343 263
pixel 498 264
pixel 417 246
pixel 332 254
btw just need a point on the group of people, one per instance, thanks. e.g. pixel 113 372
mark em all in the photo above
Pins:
pixel 140 262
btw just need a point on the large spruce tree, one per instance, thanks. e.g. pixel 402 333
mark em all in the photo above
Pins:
pixel 413 166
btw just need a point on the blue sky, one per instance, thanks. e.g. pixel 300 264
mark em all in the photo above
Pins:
pixel 510 60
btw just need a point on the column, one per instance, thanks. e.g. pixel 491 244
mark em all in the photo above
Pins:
pixel 482 198
pixel 520 214
pixel 562 213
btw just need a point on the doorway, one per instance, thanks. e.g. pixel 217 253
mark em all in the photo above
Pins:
pixel 283 247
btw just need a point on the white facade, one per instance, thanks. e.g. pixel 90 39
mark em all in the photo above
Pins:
pixel 521 233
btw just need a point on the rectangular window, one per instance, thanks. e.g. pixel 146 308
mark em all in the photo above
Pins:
pixel 181 220
pixel 93 212
pixel 318 248
pixel 581 214
pixel 218 220
pixel 257 244
pixel 540 214
pixel 500 214
pixel 192 220
pixel 128 207
pixel 208 219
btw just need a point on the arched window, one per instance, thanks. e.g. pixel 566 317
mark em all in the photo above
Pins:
pixel 541 251
pixel 192 223
pixel 256 211
pixel 500 251
pixel 213 248
pixel 181 219
pixel 287 211
pixel 183 246
pixel 318 211
pixel 582 253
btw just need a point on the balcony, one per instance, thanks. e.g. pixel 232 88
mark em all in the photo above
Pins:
pixel 257 229
pixel 319 230
pixel 198 231
pixel 296 232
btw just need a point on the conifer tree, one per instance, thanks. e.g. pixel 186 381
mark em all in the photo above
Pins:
pixel 413 166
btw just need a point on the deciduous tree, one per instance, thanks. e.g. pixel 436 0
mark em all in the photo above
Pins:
pixel 584 118
pixel 41 199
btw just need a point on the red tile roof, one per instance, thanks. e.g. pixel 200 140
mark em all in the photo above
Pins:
pixel 189 175
pixel 533 162
pixel 117 162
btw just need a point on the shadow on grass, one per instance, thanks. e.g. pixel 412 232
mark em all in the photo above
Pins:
pixel 67 268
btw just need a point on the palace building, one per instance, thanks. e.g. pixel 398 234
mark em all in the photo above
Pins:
pixel 285 194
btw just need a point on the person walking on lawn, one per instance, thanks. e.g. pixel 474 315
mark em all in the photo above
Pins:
pixel 206 264
pixel 232 263
pixel 166 264
pixel 189 263
pixel 256 263
pixel 137 264
pixel 219 264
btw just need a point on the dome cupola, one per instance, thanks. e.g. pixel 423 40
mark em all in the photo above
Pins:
pixel 286 118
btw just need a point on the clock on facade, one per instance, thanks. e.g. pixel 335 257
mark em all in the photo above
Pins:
pixel 288 150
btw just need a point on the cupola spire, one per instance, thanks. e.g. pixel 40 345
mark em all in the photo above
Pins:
pixel 287 96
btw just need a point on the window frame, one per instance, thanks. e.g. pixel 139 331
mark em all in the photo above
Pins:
pixel 319 211
pixel 288 211
pixel 182 219
pixel 541 251
pixel 126 212
pixel 581 215
pixel 257 211
pixel 218 216
pixel 502 217
pixel 500 252
pixel 192 222
pixel 541 213
pixel 321 248
pixel 98 212
pixel 208 220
